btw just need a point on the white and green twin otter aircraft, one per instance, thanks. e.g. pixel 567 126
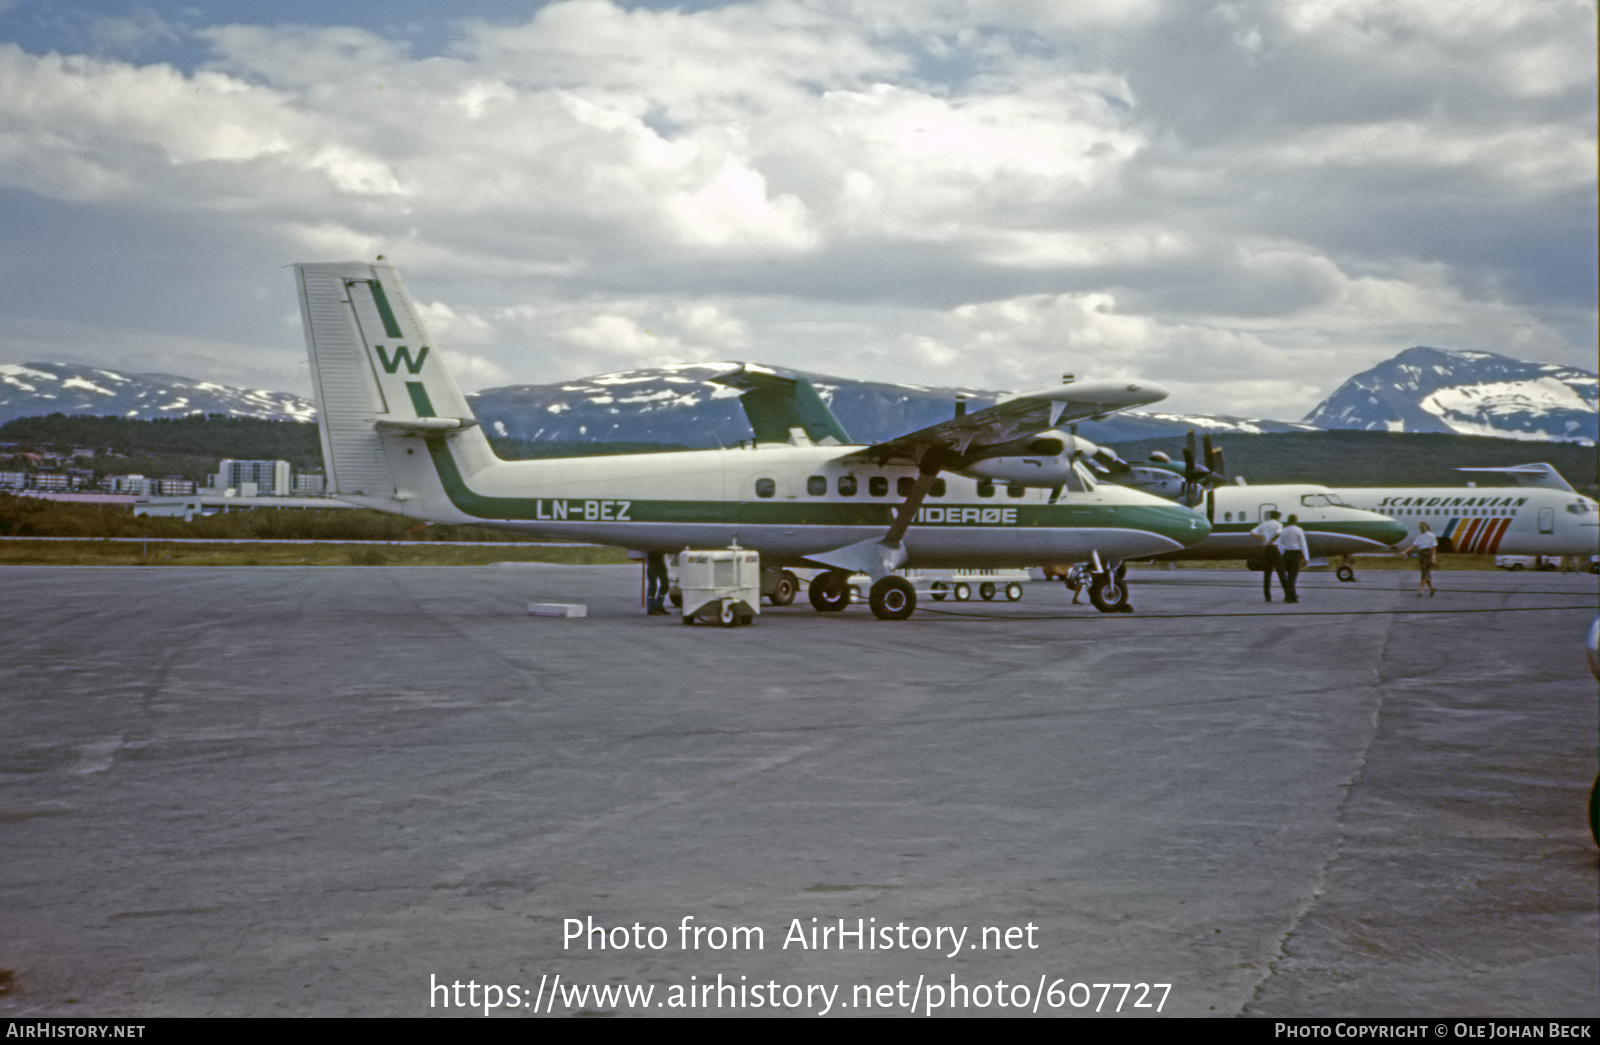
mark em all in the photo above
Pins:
pixel 1006 486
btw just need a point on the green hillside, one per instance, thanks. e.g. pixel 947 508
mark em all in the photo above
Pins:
pixel 192 446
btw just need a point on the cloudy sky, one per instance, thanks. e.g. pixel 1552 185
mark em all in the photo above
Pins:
pixel 1247 200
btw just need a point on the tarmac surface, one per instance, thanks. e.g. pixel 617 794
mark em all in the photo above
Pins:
pixel 342 791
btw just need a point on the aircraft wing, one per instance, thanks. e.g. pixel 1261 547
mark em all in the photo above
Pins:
pixel 1004 428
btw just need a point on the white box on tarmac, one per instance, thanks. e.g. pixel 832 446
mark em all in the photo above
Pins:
pixel 720 584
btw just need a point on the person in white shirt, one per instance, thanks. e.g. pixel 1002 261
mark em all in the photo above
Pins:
pixel 1267 534
pixel 1295 551
pixel 1427 548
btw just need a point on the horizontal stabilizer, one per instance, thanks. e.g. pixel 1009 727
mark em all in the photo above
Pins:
pixel 424 425
pixel 1529 475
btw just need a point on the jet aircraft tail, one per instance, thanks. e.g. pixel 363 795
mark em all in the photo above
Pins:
pixel 384 398
pixel 1540 475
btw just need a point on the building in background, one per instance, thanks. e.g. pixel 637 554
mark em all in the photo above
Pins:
pixel 270 478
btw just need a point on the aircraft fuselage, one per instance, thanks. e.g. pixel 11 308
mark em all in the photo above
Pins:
pixel 786 502
pixel 1490 520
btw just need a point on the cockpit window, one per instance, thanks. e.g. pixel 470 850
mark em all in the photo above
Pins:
pixel 1322 500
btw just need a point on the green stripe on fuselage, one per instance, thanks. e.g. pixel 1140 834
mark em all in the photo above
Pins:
pixel 1170 521
pixel 1379 531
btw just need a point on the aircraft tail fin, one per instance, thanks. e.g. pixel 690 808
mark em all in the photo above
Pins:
pixel 1542 475
pixel 784 408
pixel 379 383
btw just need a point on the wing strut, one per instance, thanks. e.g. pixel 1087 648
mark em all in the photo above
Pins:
pixel 926 476
pixel 877 557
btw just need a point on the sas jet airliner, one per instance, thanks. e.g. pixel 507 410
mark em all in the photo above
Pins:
pixel 1541 515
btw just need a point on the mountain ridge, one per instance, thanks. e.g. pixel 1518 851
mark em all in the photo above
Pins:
pixel 1421 389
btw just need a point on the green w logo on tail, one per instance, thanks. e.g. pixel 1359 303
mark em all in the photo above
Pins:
pixel 402 354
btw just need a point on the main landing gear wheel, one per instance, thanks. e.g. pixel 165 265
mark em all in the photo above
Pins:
pixel 1013 592
pixel 962 592
pixel 830 592
pixel 986 591
pixel 1346 574
pixel 893 598
pixel 1108 593
pixel 783 589
pixel 939 589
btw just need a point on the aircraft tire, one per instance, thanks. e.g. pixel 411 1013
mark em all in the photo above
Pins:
pixel 1107 594
pixel 986 591
pixel 830 592
pixel 1013 592
pixel 939 590
pixel 962 592
pixel 1346 574
pixel 893 598
pixel 784 588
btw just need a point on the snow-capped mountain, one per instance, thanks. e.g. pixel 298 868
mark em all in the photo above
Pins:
pixel 1420 390
pixel 1468 393
pixel 31 389
pixel 681 404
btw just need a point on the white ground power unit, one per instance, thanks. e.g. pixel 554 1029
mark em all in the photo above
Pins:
pixel 721 585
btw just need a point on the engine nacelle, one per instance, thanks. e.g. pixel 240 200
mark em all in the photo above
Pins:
pixel 1158 481
pixel 1024 471
pixel 1042 460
